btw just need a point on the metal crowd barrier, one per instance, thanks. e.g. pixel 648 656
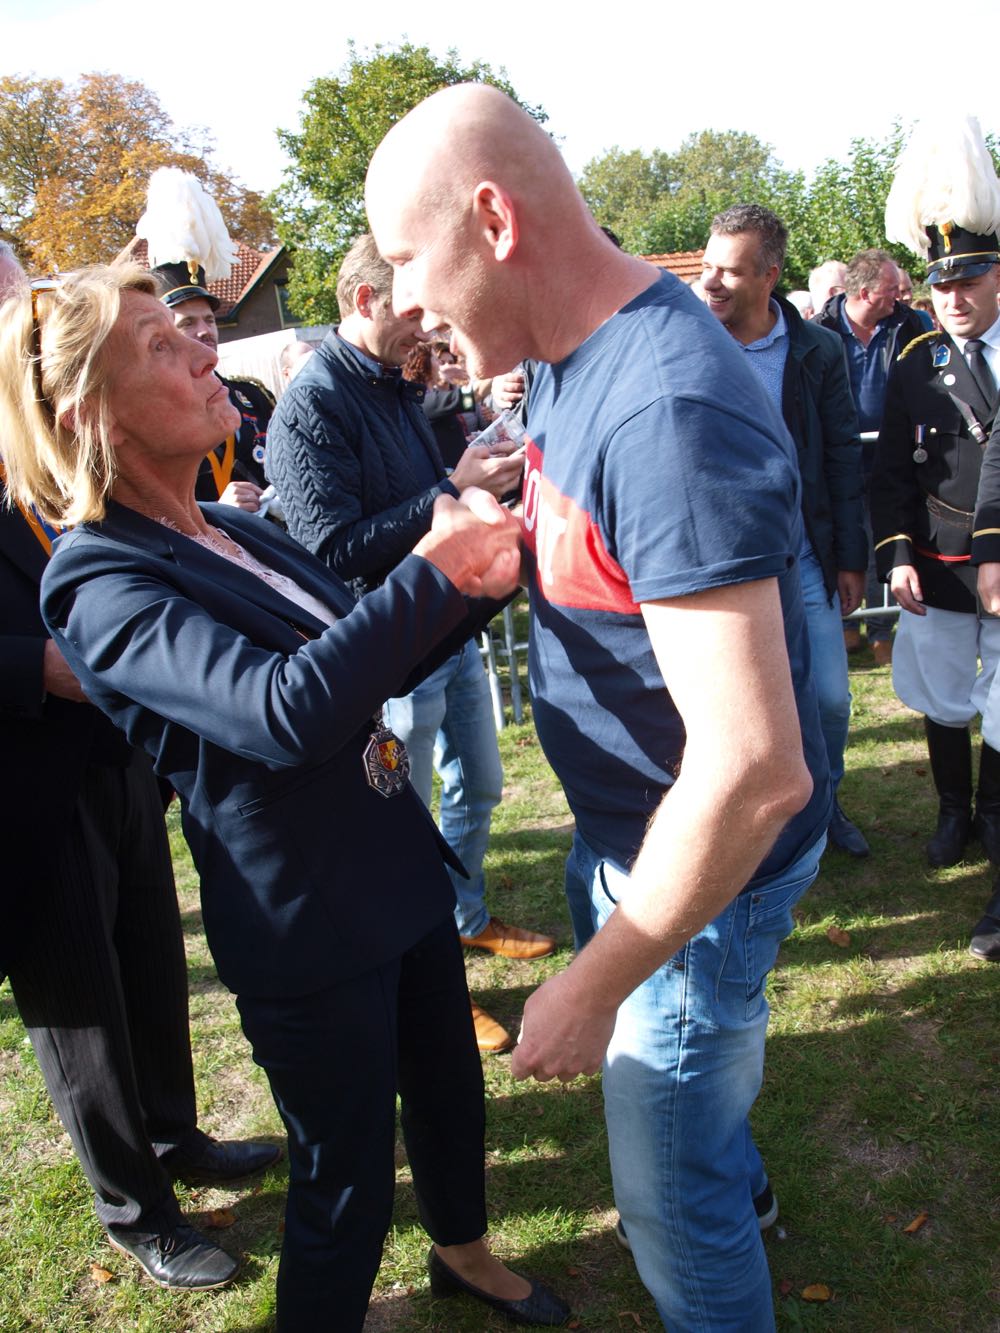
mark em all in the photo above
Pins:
pixel 499 642
pixel 890 611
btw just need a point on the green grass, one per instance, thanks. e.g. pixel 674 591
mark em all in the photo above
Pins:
pixel 881 1102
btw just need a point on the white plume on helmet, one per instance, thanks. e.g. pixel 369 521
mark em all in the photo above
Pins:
pixel 182 223
pixel 944 174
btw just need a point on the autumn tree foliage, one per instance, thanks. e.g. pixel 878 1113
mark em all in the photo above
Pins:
pixel 320 203
pixel 75 161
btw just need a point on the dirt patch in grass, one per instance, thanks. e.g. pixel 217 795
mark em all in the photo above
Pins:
pixel 388 1311
pixel 881 1161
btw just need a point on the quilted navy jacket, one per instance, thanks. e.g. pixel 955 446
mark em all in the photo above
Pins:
pixel 336 455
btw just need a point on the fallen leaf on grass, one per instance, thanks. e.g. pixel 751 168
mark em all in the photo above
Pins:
pixel 217 1219
pixel 816 1291
pixel 916 1224
pixel 572 1272
pixel 100 1275
pixel 839 937
pixel 630 1314
pixel 920 772
pixel 890 1217
pixel 785 1286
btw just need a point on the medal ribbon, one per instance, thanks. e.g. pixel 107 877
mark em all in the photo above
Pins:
pixel 222 470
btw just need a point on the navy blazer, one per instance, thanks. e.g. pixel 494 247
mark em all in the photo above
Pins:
pixel 259 714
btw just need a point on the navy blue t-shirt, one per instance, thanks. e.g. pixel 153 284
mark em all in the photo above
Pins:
pixel 656 467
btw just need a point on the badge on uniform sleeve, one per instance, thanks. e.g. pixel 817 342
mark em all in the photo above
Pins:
pixel 387 765
pixel 942 355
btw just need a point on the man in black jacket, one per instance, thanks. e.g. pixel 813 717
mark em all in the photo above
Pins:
pixel 874 326
pixel 938 414
pixel 803 370
pixel 353 458
pixel 234 471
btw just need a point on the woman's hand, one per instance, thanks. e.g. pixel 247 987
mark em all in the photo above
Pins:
pixel 475 543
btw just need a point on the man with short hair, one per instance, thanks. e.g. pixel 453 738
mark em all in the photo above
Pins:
pixel 875 327
pixel 354 460
pixel 669 670
pixel 802 369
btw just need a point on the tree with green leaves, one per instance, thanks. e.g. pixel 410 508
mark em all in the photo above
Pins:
pixel 320 203
pixel 664 202
pixel 75 162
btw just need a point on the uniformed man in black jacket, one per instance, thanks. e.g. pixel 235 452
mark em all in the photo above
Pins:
pixel 234 471
pixel 940 406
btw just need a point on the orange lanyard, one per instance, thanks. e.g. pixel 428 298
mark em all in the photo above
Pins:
pixel 31 518
pixel 222 470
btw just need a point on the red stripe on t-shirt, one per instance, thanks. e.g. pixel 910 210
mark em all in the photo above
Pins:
pixel 572 565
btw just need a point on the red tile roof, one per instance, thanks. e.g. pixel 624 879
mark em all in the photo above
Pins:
pixel 249 268
pixel 685 264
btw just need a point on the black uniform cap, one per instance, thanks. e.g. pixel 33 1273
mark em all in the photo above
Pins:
pixel 957 253
pixel 182 282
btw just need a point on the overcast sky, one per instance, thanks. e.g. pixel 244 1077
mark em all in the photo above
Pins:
pixel 803 78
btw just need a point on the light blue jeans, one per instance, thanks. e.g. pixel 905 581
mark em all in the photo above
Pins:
pixel 682 1071
pixel 447 723
pixel 829 662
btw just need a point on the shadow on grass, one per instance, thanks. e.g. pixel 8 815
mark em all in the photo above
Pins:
pixel 191 922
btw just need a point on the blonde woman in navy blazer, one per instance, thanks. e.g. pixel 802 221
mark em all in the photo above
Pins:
pixel 242 666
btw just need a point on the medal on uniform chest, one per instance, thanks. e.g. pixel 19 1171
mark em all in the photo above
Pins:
pixel 387 765
pixel 919 453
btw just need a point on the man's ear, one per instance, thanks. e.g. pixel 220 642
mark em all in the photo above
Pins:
pixel 495 218
pixel 364 300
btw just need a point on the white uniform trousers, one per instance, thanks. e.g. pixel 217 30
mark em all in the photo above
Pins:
pixel 944 665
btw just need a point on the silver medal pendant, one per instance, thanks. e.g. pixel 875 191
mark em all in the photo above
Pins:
pixel 920 455
pixel 387 765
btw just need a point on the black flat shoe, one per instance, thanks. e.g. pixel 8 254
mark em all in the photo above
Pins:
pixel 541 1306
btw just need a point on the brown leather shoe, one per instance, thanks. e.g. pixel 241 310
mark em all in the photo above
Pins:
pixel 882 652
pixel 509 941
pixel 490 1035
pixel 852 639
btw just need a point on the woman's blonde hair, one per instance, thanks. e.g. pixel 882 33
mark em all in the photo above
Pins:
pixel 55 434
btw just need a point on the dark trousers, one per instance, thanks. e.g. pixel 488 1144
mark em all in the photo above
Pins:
pixel 101 987
pixel 335 1062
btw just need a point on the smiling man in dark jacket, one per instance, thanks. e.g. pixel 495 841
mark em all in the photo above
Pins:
pixel 803 370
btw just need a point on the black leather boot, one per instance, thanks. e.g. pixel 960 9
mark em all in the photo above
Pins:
pixel 951 764
pixel 987 823
pixel 986 932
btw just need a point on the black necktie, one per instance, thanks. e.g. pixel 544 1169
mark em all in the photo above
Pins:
pixel 981 372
